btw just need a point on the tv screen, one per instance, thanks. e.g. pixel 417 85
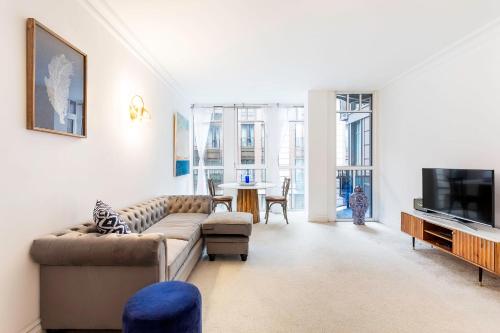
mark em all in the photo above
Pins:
pixel 465 194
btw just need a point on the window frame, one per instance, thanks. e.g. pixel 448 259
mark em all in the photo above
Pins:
pixel 292 167
pixel 354 168
pixel 255 167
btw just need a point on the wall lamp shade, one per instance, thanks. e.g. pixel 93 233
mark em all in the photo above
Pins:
pixel 137 110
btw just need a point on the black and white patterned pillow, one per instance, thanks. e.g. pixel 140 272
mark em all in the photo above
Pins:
pixel 108 221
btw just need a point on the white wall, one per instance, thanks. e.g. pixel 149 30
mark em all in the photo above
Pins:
pixel 320 182
pixel 48 181
pixel 445 114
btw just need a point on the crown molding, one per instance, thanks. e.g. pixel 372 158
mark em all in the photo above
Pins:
pixel 464 43
pixel 103 12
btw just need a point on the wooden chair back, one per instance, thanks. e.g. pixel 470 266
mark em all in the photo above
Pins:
pixel 286 187
pixel 211 187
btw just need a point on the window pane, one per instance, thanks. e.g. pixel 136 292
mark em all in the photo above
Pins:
pixel 297 189
pixel 213 154
pixel 300 114
pixel 366 102
pixel 291 157
pixel 354 132
pixel 354 102
pixel 256 175
pixel 252 143
pixel 250 114
pixel 217 175
pixel 298 152
pixel 217 115
pixel 284 155
pixel 346 181
pixel 295 113
pixel 214 148
pixel 341 102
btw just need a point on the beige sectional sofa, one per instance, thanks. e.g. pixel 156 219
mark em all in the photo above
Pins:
pixel 86 277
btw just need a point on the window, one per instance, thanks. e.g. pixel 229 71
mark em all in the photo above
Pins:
pixel 354 150
pixel 291 157
pixel 256 134
pixel 217 175
pixel 251 136
pixel 213 159
pixel 251 147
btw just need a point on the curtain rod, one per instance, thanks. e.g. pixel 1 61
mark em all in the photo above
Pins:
pixel 242 105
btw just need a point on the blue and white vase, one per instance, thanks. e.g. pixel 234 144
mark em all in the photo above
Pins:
pixel 359 205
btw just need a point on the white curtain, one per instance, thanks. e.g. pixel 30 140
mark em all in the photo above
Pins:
pixel 276 121
pixel 202 117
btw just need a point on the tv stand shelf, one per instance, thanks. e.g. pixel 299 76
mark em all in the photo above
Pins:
pixel 439 235
pixel 479 247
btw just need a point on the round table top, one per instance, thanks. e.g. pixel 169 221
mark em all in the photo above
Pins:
pixel 238 186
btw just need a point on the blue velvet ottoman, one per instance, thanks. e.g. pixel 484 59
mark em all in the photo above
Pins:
pixel 164 307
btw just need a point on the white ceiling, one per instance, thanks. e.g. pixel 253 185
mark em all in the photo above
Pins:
pixel 225 51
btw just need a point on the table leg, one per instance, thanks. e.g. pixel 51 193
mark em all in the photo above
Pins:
pixel 248 201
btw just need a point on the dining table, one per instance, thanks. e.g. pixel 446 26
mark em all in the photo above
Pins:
pixel 247 198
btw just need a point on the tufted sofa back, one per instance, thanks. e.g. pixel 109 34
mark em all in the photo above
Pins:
pixel 188 204
pixel 84 228
pixel 143 215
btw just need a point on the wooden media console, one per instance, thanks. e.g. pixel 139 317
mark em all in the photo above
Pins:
pixel 479 247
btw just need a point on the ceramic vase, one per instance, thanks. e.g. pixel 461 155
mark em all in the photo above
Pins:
pixel 359 205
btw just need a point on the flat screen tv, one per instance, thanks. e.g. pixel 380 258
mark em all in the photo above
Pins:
pixel 468 195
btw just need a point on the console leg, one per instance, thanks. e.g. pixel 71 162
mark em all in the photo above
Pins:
pixel 211 257
pixel 243 257
pixel 413 242
pixel 480 276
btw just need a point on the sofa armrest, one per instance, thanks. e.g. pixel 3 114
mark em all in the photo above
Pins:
pixel 93 249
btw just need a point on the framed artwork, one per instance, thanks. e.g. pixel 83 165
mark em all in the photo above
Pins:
pixel 181 145
pixel 56 83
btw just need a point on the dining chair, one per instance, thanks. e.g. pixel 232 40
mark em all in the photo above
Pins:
pixel 225 200
pixel 279 199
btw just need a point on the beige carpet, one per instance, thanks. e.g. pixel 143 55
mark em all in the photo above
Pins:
pixel 336 277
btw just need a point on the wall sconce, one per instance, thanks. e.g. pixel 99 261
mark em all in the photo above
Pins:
pixel 137 110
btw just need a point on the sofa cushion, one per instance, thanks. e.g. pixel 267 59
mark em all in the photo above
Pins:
pixel 228 223
pixel 185 217
pixel 177 253
pixel 179 226
pixel 108 221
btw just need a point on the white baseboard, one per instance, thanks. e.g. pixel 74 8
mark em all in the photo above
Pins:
pixel 317 218
pixel 34 327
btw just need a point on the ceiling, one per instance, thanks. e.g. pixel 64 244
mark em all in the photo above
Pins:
pixel 234 51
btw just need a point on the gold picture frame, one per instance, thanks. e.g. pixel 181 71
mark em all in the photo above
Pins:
pixel 56 100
